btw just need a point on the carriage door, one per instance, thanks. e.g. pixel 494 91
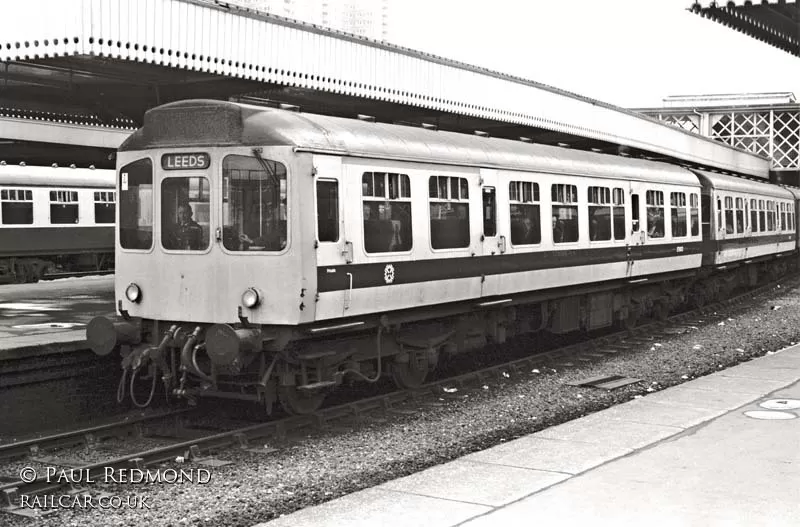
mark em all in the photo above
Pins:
pixel 331 242
pixel 492 240
pixel 635 245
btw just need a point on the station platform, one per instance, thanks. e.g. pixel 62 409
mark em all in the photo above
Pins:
pixel 50 317
pixel 721 450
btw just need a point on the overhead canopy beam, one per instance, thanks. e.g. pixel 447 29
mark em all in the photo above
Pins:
pixel 776 23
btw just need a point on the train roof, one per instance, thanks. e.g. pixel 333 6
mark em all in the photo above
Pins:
pixel 187 124
pixel 737 184
pixel 29 176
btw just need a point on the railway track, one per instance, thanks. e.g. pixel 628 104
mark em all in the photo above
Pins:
pixel 357 411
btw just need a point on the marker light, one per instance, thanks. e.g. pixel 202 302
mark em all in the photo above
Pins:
pixel 250 298
pixel 133 293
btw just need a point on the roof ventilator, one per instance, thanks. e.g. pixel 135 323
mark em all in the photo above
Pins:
pixel 367 118
pixel 481 133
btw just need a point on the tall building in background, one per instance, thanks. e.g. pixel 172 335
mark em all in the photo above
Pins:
pixel 366 18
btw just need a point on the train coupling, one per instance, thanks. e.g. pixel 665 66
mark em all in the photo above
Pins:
pixel 104 335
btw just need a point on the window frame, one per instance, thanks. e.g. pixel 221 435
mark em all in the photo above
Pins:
pixel 5 197
pixel 338 209
pixel 386 199
pixel 570 193
pixel 463 184
pixel 518 198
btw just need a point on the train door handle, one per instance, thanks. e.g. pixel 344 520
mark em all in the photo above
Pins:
pixel 501 244
pixel 349 296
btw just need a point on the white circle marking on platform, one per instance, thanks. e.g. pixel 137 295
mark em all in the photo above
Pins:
pixel 781 404
pixel 770 416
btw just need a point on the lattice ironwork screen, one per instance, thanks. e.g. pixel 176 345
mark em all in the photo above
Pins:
pixel 771 133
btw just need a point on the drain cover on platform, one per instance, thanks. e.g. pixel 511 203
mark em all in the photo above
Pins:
pixel 781 404
pixel 606 382
pixel 50 325
pixel 770 416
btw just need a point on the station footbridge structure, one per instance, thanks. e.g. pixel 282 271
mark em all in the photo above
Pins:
pixel 78 75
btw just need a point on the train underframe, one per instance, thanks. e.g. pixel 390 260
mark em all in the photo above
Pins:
pixel 297 367
pixel 30 269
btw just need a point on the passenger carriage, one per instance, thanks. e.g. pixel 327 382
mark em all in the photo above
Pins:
pixel 55 216
pixel 747 224
pixel 334 249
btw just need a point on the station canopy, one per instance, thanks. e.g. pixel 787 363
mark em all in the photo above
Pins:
pixel 94 67
pixel 775 22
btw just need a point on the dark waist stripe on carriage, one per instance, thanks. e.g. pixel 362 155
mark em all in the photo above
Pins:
pixel 334 278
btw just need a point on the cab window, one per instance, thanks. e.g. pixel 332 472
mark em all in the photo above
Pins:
pixel 136 205
pixel 253 204
pixel 185 213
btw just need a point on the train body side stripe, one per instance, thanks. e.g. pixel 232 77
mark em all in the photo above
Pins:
pixel 335 278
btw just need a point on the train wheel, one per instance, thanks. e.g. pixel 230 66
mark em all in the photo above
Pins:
pixel 299 402
pixel 411 373
pixel 660 310
pixel 632 319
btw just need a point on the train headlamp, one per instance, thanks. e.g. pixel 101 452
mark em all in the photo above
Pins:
pixel 250 298
pixel 133 293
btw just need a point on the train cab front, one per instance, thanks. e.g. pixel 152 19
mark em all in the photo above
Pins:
pixel 208 267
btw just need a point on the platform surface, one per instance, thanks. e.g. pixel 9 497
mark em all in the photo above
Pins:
pixel 50 317
pixel 705 453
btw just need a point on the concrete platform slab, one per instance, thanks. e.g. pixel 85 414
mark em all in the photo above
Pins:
pixel 774 372
pixel 597 428
pixel 474 482
pixel 384 508
pixel 720 382
pixel 661 413
pixel 555 455
pixel 735 471
pixel 687 395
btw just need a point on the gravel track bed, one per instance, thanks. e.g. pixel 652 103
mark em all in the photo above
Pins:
pixel 325 465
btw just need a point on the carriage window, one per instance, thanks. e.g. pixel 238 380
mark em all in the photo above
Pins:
pixel 599 213
pixel 618 213
pixel 489 212
pixel 655 213
pixel 17 206
pixel 783 216
pixel 719 213
pixel 762 216
pixel 327 210
pixel 677 202
pixel 635 226
pixel 63 207
pixel 753 215
pixel 739 215
pixel 729 215
pixel 253 204
pixel 449 209
pixel 104 205
pixel 136 205
pixel 564 213
pixel 770 215
pixel 387 212
pixel 693 209
pixel 185 213
pixel 790 215
pixel 526 228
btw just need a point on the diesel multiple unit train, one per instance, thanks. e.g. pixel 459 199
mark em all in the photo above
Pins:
pixel 55 219
pixel 270 255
